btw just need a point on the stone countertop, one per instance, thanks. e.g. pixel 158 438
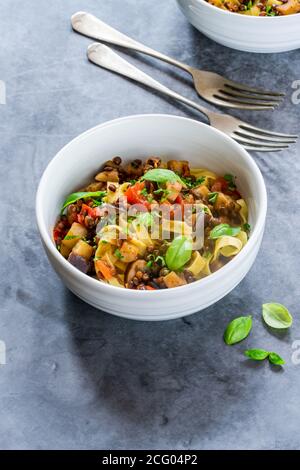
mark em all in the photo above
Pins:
pixel 79 378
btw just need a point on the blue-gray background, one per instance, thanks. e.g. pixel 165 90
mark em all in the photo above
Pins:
pixel 79 378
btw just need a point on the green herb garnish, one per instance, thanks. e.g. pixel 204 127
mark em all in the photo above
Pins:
pixel 74 197
pixel 262 354
pixel 237 330
pixel 145 218
pixel 190 183
pixel 213 197
pixel 276 315
pixel 224 229
pixel 118 254
pixel 179 253
pixel 231 181
pixel 161 175
pixel 144 192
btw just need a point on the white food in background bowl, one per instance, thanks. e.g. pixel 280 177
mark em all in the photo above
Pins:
pixel 243 32
pixel 139 137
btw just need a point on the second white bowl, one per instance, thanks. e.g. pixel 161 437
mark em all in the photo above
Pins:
pixel 243 32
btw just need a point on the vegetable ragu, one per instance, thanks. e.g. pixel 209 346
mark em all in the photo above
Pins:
pixel 259 7
pixel 136 225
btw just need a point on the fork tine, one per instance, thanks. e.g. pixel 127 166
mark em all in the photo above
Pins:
pixel 256 143
pixel 240 86
pixel 283 140
pixel 260 149
pixel 231 99
pixel 230 92
pixel 245 125
pixel 239 105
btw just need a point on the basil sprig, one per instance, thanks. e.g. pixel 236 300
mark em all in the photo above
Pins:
pixel 237 330
pixel 276 315
pixel 82 195
pixel 224 229
pixel 257 354
pixel 161 175
pixel 262 354
pixel 179 253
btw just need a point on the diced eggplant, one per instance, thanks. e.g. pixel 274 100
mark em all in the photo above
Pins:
pixel 79 262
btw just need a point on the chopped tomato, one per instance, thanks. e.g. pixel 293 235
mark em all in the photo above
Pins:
pixel 222 185
pixel 60 231
pixel 179 199
pixel 87 210
pixel 134 194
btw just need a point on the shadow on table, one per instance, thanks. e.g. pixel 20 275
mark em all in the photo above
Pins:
pixel 174 375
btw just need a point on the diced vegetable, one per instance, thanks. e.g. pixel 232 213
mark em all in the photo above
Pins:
pixel 129 252
pixel 83 249
pixel 76 232
pixel 173 280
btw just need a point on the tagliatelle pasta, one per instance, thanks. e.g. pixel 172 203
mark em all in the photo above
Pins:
pixel 227 246
pixel 153 225
pixel 244 210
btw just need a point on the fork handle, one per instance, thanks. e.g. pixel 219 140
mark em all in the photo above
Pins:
pixel 105 57
pixel 91 26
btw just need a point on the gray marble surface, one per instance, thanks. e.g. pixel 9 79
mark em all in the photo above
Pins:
pixel 79 378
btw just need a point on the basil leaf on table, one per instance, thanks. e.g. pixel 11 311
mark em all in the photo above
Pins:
pixel 237 330
pixel 224 229
pixel 161 175
pixel 276 315
pixel 257 354
pixel 81 195
pixel 179 253
pixel 275 359
pixel 261 355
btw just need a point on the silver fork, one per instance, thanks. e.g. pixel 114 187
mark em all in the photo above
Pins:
pixel 252 138
pixel 210 86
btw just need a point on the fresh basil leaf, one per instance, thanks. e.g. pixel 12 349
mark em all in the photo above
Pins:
pixel 213 197
pixel 190 183
pixel 179 253
pixel 81 195
pixel 231 181
pixel 224 229
pixel 145 218
pixel 274 358
pixel 257 354
pixel 276 315
pixel 237 330
pixel 161 175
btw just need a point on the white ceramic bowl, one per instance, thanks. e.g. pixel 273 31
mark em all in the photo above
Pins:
pixel 141 136
pixel 243 32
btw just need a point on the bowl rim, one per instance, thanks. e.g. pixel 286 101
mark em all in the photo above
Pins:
pixel 260 18
pixel 131 293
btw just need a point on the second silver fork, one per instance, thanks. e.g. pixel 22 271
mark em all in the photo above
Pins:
pixel 250 137
pixel 209 85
